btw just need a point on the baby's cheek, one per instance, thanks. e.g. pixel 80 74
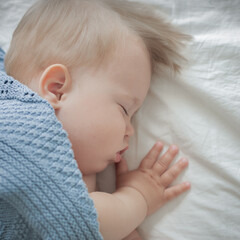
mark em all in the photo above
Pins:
pixel 117 131
pixel 114 131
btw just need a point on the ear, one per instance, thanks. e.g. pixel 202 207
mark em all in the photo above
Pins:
pixel 54 83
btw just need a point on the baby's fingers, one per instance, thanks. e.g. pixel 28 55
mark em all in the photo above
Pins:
pixel 163 163
pixel 173 192
pixel 172 173
pixel 152 156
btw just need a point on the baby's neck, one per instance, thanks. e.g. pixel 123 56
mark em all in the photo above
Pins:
pixel 90 181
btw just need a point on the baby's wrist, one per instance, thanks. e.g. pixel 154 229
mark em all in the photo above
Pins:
pixel 136 195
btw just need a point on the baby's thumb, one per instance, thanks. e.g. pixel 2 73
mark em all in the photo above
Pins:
pixel 121 167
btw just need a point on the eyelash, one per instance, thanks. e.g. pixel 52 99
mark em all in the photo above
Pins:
pixel 124 109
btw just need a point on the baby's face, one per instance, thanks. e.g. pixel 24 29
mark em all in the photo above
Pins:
pixel 97 114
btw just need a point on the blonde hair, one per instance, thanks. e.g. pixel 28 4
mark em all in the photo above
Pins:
pixel 85 32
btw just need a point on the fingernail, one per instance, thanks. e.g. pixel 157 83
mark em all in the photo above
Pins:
pixel 174 148
pixel 184 160
pixel 159 144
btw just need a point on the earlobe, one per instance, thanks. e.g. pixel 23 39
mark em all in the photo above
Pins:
pixel 55 82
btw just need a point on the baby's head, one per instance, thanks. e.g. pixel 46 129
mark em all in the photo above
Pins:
pixel 93 60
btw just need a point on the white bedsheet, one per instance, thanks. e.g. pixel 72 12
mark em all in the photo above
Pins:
pixel 199 111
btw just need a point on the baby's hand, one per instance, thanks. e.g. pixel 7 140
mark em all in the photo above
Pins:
pixel 152 178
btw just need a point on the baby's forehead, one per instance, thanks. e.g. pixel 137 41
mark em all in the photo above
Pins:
pixel 131 46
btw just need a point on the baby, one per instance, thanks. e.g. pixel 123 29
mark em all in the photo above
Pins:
pixel 92 61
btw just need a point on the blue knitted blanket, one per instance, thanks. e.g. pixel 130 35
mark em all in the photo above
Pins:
pixel 42 194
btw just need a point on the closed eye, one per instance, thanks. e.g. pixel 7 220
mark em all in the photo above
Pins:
pixel 124 109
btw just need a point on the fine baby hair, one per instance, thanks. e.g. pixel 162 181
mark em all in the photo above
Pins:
pixel 88 32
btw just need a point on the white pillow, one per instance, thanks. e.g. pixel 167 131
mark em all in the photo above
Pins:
pixel 200 112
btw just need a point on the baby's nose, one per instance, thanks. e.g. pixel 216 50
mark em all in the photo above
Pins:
pixel 129 129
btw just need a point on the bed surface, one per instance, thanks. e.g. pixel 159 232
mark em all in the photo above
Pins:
pixel 199 111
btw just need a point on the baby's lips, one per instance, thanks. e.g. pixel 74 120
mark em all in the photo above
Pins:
pixel 119 154
pixel 122 151
pixel 117 158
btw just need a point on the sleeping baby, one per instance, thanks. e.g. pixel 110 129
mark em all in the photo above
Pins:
pixel 82 70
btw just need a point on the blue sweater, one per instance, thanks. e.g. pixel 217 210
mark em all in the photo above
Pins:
pixel 42 194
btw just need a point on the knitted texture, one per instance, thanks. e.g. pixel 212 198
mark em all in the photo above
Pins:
pixel 42 194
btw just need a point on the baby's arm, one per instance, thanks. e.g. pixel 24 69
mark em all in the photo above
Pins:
pixel 139 193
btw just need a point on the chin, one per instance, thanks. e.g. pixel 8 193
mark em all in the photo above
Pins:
pixel 99 168
pixel 104 165
pixel 96 167
pixel 103 168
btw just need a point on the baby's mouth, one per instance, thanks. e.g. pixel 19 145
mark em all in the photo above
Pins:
pixel 119 155
pixel 122 151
